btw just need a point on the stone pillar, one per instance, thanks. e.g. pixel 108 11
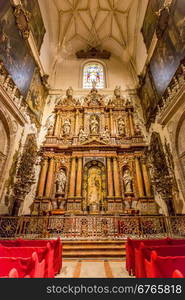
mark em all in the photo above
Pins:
pixel 139 178
pixel 77 123
pixel 49 183
pixel 146 178
pixel 42 178
pixel 131 123
pixel 111 123
pixel 109 177
pixel 72 177
pixel 79 178
pixel 57 125
pixel 116 177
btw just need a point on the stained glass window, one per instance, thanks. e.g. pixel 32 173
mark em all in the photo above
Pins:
pixel 93 72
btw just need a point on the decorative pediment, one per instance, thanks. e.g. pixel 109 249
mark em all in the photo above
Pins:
pixel 94 141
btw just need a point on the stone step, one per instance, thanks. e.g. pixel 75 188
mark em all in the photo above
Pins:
pixel 94 249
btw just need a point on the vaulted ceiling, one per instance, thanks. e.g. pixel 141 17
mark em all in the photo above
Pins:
pixel 112 25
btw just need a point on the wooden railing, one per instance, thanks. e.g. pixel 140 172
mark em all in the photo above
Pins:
pixel 92 227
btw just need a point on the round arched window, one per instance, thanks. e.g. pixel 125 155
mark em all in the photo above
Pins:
pixel 93 71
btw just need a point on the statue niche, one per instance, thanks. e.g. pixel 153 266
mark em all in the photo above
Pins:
pixel 127 181
pixel 94 125
pixel 67 127
pixel 61 182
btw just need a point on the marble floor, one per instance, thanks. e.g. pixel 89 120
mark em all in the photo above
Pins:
pixel 93 269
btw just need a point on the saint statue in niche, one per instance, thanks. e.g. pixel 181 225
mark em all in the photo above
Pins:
pixel 94 125
pixel 106 135
pixel 121 126
pixel 50 130
pixel 94 185
pixel 127 180
pixel 61 182
pixel 67 127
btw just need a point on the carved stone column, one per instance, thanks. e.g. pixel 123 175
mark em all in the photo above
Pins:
pixel 42 178
pixel 49 183
pixel 131 123
pixel 146 178
pixel 77 122
pixel 57 125
pixel 79 178
pixel 116 177
pixel 111 123
pixel 72 178
pixel 109 177
pixel 139 178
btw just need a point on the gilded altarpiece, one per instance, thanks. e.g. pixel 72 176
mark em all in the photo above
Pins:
pixel 93 159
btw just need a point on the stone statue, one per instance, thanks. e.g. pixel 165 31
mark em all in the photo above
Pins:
pixel 117 91
pixel 106 135
pixel 61 182
pixel 127 179
pixel 69 92
pixel 137 130
pixel 94 125
pixel 121 126
pixel 82 136
pixel 67 127
pixel 50 130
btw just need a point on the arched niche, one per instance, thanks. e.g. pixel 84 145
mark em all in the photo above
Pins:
pixel 94 184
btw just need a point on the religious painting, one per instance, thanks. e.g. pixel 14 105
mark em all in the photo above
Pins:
pixel 36 22
pixel 150 20
pixel 164 63
pixel 36 97
pixel 149 99
pixel 177 27
pixel 13 50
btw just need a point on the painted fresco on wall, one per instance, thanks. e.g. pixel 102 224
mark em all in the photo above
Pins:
pixel 36 97
pixel 150 21
pixel 13 49
pixel 36 22
pixel 149 99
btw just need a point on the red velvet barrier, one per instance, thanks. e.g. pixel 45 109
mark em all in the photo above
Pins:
pixel 55 244
pixel 144 252
pixel 46 253
pixel 163 267
pixel 130 250
pixel 24 266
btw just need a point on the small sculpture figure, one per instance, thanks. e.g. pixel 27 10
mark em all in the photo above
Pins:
pixel 127 179
pixel 61 182
pixel 128 100
pixel 67 127
pixel 117 91
pixel 50 130
pixel 121 126
pixel 106 135
pixel 137 130
pixel 82 136
pixel 69 92
pixel 94 125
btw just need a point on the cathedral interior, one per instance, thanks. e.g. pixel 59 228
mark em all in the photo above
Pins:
pixel 92 117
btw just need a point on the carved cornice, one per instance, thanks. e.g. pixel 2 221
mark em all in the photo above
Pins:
pixel 22 20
